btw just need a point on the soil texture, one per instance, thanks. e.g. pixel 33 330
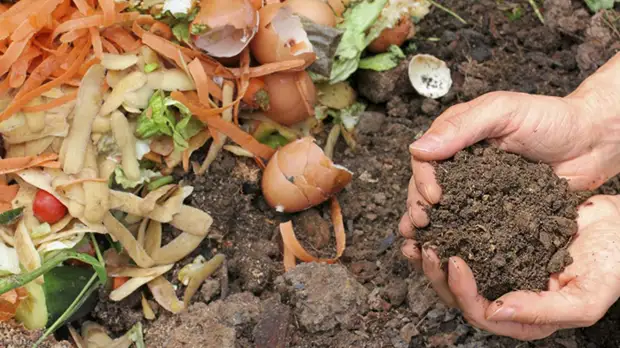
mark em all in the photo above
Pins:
pixel 508 218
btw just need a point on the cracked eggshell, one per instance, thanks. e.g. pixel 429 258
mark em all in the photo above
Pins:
pixel 397 35
pixel 315 10
pixel 429 76
pixel 280 36
pixel 300 176
pixel 229 26
pixel 290 102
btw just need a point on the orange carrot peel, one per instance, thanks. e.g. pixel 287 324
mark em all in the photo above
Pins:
pixel 294 250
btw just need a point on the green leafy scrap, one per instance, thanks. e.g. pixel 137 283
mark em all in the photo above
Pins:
pixel 383 61
pixel 357 20
pixel 159 119
pixel 597 5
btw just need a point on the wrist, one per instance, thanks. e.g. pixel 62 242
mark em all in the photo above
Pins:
pixel 598 96
pixel 597 104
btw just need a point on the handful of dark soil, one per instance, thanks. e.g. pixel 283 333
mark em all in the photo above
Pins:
pixel 510 219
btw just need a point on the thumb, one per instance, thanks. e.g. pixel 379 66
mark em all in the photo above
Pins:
pixel 465 124
pixel 567 307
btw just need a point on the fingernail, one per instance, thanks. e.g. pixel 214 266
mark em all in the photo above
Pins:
pixel 453 272
pixel 407 254
pixel 502 313
pixel 426 192
pixel 428 143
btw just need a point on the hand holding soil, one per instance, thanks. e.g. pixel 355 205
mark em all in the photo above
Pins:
pixel 577 297
pixel 575 136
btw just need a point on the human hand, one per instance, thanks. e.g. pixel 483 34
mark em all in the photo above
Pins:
pixel 557 131
pixel 577 297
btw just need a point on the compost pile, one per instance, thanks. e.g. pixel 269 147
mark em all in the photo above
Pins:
pixel 510 219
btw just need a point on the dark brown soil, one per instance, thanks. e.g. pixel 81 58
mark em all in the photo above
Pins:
pixel 508 218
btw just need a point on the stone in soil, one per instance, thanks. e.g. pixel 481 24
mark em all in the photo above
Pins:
pixel 508 218
pixel 380 86
pixel 324 296
pixel 208 326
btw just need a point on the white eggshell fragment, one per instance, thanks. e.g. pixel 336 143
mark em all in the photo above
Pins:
pixel 429 76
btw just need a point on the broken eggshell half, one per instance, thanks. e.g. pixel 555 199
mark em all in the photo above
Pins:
pixel 429 76
pixel 280 36
pixel 223 28
pixel 300 176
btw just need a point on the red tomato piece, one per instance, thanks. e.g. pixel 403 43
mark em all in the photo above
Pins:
pixel 47 208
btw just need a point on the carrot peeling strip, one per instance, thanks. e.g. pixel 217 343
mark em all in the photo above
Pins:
pixel 18 72
pixel 8 192
pixel 291 242
pixel 96 40
pixel 12 54
pixel 161 29
pixel 201 80
pixel 83 7
pixel 90 21
pixel 53 104
pixel 21 101
pixel 79 181
pixel 4 86
pixel 122 38
pixel 15 164
pixel 62 10
pixel 73 35
pixel 237 135
pixel 109 12
pixel 84 68
pixel 109 47
pixel 165 48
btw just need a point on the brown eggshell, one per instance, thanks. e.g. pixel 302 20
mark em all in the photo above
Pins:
pixel 275 183
pixel 300 176
pixel 266 46
pixel 392 36
pixel 230 26
pixel 288 104
pixel 218 13
pixel 315 10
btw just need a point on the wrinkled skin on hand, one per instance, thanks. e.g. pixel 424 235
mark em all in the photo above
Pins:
pixel 579 136
pixel 577 297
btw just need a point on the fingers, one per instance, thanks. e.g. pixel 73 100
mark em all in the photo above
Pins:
pixel 474 306
pixel 416 205
pixel 565 308
pixel 597 208
pixel 425 181
pixel 412 252
pixel 434 272
pixel 465 124
pixel 405 227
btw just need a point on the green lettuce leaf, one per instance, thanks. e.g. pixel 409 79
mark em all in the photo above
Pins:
pixel 357 20
pixel 383 61
pixel 146 175
pixel 596 5
pixel 181 31
pixel 159 119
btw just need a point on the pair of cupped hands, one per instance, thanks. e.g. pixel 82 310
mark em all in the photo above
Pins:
pixel 579 136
